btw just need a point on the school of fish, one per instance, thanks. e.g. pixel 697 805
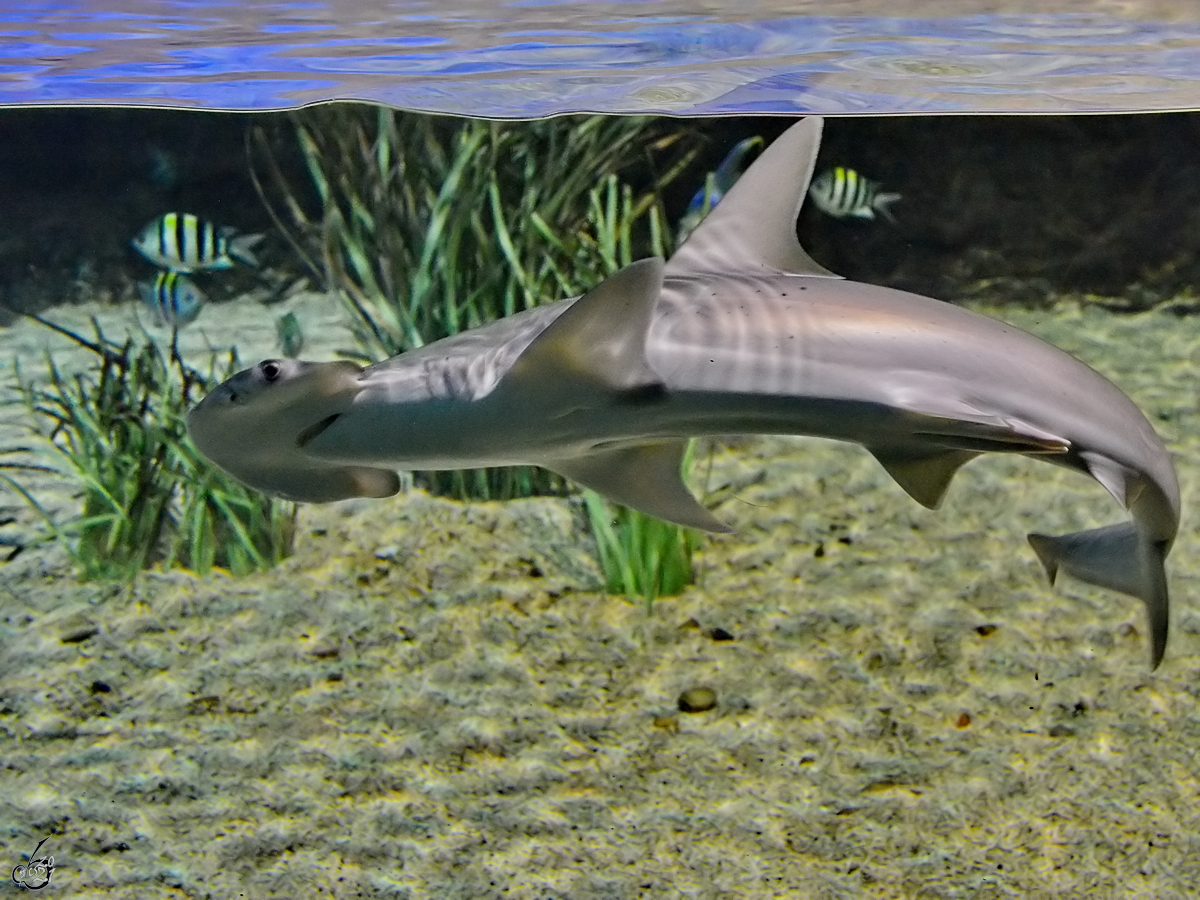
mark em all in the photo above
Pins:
pixel 181 244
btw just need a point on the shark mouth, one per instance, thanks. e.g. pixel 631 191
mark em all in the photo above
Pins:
pixel 312 431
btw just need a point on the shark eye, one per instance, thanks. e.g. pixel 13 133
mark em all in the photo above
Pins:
pixel 270 370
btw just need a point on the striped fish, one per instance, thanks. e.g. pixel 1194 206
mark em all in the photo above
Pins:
pixel 842 193
pixel 183 242
pixel 174 297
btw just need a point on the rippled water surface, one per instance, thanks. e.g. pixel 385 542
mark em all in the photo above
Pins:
pixel 531 58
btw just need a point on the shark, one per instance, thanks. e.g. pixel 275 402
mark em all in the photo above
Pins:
pixel 740 332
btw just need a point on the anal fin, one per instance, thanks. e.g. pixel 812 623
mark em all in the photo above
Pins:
pixel 599 344
pixel 924 475
pixel 1123 483
pixel 645 477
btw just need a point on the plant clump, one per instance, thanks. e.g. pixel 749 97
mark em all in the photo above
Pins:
pixel 120 433
pixel 426 226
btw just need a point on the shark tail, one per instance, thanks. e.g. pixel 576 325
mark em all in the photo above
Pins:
pixel 1116 557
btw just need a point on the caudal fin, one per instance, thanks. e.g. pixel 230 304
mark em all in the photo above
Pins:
pixel 1116 557
pixel 883 205
pixel 242 247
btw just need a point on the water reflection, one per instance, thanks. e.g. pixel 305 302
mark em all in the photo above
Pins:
pixel 519 59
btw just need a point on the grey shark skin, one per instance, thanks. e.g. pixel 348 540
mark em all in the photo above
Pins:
pixel 741 332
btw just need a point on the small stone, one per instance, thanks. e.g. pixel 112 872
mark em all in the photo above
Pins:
pixel 697 700
pixel 720 634
pixel 389 553
pixel 669 724
pixel 79 635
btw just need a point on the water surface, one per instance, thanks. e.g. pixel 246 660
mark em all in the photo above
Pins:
pixel 526 58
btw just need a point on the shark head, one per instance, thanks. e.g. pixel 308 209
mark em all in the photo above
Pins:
pixel 256 425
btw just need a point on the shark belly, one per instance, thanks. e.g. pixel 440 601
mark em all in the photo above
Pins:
pixel 429 435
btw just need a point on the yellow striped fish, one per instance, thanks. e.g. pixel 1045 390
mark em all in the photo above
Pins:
pixel 842 193
pixel 174 297
pixel 183 242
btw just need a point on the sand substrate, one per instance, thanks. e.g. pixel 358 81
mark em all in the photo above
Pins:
pixel 432 699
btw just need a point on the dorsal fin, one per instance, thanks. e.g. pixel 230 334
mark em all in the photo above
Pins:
pixel 754 225
pixel 601 340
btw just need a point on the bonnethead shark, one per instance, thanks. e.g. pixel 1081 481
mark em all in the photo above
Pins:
pixel 740 332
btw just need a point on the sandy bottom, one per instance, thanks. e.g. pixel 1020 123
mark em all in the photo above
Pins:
pixel 433 700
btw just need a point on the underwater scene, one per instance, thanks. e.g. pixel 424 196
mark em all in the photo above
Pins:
pixel 744 500
pixel 318 583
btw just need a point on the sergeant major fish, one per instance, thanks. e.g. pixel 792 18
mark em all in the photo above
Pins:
pixel 843 193
pixel 183 242
pixel 740 332
pixel 175 298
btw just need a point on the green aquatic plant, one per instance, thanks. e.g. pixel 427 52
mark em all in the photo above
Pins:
pixel 120 434
pixel 639 555
pixel 429 226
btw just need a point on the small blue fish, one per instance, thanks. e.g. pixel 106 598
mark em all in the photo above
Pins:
pixel 715 185
pixel 175 298
pixel 291 338
pixel 842 193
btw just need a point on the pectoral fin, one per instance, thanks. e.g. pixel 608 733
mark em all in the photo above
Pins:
pixel 980 432
pixel 600 342
pixel 646 478
pixel 1124 484
pixel 323 485
pixel 925 476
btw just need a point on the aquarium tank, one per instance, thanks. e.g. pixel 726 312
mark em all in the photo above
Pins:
pixel 578 450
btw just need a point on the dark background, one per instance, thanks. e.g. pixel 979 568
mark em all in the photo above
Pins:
pixel 1007 208
pixel 1013 208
